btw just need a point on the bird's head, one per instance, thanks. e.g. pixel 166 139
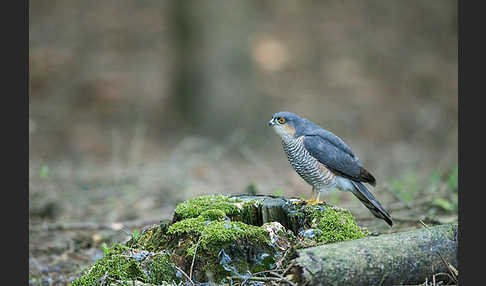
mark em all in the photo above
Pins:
pixel 286 124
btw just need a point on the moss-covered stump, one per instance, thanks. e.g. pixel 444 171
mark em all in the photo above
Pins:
pixel 220 238
pixel 122 263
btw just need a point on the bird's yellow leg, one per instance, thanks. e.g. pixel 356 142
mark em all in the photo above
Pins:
pixel 313 195
pixel 314 200
pixel 317 198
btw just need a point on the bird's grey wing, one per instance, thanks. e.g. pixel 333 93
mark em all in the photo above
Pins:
pixel 331 155
pixel 332 139
pixel 337 156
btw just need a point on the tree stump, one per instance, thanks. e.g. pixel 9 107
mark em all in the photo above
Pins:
pixel 224 239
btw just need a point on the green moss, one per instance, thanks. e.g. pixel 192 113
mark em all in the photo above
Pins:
pixel 150 239
pixel 121 263
pixel 190 225
pixel 160 269
pixel 114 265
pixel 195 207
pixel 202 228
pixel 206 238
pixel 213 214
pixel 215 235
pixel 250 212
pixel 221 233
pixel 336 225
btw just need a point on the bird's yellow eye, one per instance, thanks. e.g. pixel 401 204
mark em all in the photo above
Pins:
pixel 281 120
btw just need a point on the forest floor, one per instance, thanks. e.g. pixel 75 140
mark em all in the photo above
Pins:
pixel 77 210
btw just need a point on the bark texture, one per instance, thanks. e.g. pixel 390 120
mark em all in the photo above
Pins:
pixel 389 259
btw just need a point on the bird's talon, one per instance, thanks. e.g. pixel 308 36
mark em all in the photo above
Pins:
pixel 312 202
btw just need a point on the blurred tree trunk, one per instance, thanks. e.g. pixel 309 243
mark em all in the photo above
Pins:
pixel 187 80
pixel 211 80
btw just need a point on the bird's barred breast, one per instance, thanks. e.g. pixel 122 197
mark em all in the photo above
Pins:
pixel 311 170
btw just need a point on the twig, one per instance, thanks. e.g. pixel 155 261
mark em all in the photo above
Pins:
pixel 288 268
pixel 423 223
pixel 194 258
pixel 451 268
pixel 263 272
pixel 184 273
pixel 280 261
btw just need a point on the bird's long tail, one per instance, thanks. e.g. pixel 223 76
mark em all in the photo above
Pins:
pixel 362 193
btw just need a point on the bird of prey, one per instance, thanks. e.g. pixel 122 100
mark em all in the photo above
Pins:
pixel 324 161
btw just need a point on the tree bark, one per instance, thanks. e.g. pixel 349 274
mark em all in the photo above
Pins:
pixel 389 259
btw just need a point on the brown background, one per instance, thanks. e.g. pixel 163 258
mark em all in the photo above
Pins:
pixel 137 105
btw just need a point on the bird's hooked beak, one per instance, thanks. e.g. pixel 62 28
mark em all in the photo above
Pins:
pixel 271 122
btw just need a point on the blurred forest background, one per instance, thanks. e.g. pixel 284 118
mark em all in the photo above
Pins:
pixel 135 106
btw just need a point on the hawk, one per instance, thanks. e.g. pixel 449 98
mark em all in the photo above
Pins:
pixel 324 161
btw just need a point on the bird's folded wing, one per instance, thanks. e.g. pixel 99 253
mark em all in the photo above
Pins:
pixel 333 152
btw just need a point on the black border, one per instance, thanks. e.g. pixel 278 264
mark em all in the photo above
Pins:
pixel 16 81
pixel 471 47
pixel 14 27
pixel 15 140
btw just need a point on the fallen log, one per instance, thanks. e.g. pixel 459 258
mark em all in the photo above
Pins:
pixel 389 259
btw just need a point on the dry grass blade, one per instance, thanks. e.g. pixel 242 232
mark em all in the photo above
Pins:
pixel 452 269
pixel 423 223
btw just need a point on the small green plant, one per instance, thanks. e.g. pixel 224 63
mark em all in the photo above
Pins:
pixel 135 234
pixel 434 181
pixel 44 172
pixel 104 247
pixel 449 201
pixel 452 180
pixel 251 190
pixel 444 204
pixel 278 193
pixel 406 187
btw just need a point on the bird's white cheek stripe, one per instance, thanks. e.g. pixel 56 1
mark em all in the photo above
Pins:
pixel 284 131
pixel 289 130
